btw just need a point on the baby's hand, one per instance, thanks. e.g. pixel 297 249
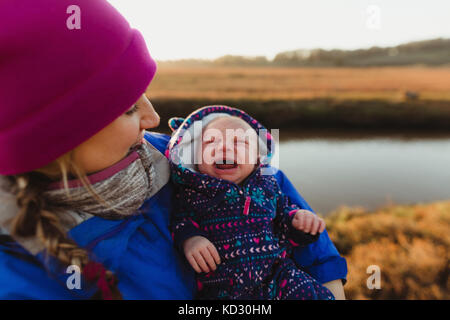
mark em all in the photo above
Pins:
pixel 308 222
pixel 201 254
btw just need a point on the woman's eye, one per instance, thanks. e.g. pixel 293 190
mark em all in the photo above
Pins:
pixel 132 110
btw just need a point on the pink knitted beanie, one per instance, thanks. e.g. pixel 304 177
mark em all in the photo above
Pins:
pixel 68 68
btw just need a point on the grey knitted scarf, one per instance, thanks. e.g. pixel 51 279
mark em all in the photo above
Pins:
pixel 124 186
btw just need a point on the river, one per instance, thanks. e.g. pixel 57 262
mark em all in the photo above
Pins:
pixel 331 169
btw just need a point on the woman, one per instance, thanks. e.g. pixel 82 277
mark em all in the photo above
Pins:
pixel 82 183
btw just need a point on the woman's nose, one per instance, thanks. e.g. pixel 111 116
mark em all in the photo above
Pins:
pixel 149 117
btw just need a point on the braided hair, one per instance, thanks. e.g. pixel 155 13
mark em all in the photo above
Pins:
pixel 36 218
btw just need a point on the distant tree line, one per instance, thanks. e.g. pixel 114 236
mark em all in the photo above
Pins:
pixel 434 52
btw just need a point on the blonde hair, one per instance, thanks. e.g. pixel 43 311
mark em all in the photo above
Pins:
pixel 37 219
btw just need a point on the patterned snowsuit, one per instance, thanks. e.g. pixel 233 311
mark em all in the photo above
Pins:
pixel 251 227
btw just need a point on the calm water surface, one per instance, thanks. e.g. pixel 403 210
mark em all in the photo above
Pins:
pixel 332 169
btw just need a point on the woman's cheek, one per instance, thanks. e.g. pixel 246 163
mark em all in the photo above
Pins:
pixel 126 134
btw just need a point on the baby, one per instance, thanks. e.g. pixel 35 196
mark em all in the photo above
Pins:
pixel 233 224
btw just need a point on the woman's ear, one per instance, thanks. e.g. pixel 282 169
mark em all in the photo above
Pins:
pixel 175 122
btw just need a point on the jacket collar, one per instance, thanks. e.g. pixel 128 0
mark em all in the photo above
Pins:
pixel 69 218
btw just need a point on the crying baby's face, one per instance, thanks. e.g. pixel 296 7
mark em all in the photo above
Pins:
pixel 229 149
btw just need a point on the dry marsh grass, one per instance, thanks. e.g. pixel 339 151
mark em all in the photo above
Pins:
pixel 267 83
pixel 410 244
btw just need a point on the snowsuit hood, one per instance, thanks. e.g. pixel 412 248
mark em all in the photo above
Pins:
pixel 187 138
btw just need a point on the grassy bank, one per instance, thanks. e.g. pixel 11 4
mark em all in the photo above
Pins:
pixel 325 113
pixel 410 244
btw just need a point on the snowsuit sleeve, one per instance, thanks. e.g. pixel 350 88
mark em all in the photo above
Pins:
pixel 283 223
pixel 184 223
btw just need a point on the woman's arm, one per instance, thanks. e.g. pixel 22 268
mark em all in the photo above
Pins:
pixel 336 288
pixel 321 258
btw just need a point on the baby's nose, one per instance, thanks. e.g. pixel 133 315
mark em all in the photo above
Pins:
pixel 225 149
pixel 224 146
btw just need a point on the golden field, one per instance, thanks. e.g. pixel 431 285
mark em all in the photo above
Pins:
pixel 344 98
pixel 410 244
pixel 277 83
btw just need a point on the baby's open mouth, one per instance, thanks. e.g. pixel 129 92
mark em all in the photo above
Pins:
pixel 225 164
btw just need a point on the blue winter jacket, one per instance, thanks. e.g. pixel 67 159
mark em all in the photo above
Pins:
pixel 140 251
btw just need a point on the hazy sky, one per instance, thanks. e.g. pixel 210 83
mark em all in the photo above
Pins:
pixel 176 29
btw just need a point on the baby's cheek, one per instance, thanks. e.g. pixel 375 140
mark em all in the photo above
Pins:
pixel 204 168
pixel 247 155
pixel 207 154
